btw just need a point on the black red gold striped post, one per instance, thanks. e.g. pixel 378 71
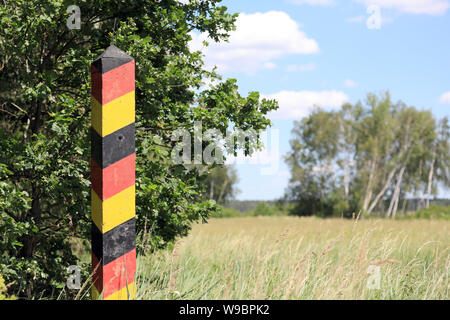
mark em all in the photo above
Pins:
pixel 113 175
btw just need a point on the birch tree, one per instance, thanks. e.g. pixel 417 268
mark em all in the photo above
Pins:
pixel 367 156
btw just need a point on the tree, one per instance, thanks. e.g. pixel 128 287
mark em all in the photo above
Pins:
pixel 440 159
pixel 313 160
pixel 44 124
pixel 366 157
pixel 417 133
pixel 220 184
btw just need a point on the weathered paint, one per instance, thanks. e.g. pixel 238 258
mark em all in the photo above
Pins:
pixel 114 243
pixel 115 275
pixel 114 178
pixel 113 147
pixel 113 175
pixel 113 84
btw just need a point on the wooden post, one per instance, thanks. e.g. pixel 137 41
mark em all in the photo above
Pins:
pixel 113 175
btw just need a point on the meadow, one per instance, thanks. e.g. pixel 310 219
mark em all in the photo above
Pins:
pixel 302 258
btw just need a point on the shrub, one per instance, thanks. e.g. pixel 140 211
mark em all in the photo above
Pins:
pixel 433 212
pixel 227 213
pixel 264 209
pixel 261 209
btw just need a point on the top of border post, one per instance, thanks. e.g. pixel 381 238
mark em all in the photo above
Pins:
pixel 110 59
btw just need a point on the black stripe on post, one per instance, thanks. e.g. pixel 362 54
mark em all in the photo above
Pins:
pixel 115 243
pixel 113 147
pixel 110 59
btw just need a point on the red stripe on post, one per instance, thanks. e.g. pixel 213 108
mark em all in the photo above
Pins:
pixel 115 275
pixel 114 178
pixel 113 84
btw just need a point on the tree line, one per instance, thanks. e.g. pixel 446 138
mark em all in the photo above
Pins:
pixel 367 157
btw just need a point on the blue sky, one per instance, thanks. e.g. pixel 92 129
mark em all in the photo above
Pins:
pixel 324 52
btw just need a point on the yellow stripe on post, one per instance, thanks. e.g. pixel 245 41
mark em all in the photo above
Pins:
pixel 113 211
pixel 126 293
pixel 113 115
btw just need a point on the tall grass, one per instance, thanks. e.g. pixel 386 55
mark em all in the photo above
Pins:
pixel 301 258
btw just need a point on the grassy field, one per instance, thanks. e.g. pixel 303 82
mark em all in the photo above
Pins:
pixel 302 258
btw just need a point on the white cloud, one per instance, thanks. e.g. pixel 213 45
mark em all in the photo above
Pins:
pixel 297 104
pixel 258 40
pixel 431 7
pixel 313 2
pixel 301 67
pixel 349 83
pixel 445 98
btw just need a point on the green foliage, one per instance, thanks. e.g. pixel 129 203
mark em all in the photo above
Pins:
pixel 432 212
pixel 3 293
pixel 220 184
pixel 366 158
pixel 224 212
pixel 265 209
pixel 261 209
pixel 44 124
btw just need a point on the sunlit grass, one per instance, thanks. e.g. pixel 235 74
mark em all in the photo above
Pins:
pixel 301 258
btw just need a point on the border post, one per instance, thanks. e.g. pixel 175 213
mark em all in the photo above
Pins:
pixel 113 175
